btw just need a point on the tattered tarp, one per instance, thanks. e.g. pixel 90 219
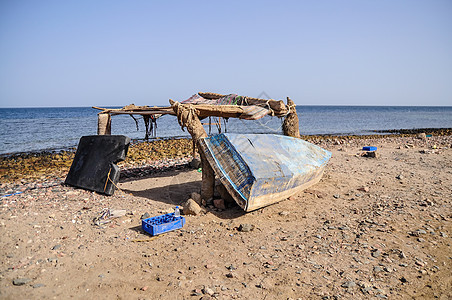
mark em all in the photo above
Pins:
pixel 251 112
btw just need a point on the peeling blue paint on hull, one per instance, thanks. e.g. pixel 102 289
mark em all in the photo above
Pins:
pixel 262 169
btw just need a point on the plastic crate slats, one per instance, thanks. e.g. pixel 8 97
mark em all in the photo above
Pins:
pixel 161 224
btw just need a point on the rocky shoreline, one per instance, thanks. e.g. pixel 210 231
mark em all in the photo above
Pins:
pixel 20 168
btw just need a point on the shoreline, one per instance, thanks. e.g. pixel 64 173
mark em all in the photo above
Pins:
pixel 377 133
pixel 23 172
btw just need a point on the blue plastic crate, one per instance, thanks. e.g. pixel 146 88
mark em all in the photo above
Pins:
pixel 369 148
pixel 161 224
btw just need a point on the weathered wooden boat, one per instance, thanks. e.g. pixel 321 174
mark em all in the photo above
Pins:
pixel 262 169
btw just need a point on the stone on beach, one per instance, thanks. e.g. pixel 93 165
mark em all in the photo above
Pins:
pixel 219 203
pixel 192 208
pixel 196 197
pixel 21 281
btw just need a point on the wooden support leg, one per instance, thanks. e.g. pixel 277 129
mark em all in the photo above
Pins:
pixel 291 122
pixel 188 118
pixel 195 152
pixel 208 179
pixel 104 124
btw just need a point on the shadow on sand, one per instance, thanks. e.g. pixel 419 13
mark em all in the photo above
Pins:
pixel 174 187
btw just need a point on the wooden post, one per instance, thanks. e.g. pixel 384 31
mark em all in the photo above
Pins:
pixel 291 123
pixel 103 124
pixel 188 118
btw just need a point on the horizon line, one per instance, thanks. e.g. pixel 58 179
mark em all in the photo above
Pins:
pixel 115 106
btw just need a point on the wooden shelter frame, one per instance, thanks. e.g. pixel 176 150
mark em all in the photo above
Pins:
pixel 189 116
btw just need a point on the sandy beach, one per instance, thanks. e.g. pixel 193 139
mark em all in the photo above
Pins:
pixel 371 228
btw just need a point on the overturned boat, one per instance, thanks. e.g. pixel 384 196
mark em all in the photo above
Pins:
pixel 262 169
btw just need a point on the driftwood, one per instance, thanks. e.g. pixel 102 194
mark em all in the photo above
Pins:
pixel 136 110
pixel 104 124
pixel 291 122
pixel 275 105
pixel 188 118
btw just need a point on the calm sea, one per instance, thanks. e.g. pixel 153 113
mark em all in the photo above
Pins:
pixel 35 129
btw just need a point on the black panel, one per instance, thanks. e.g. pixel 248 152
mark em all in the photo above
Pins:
pixel 95 160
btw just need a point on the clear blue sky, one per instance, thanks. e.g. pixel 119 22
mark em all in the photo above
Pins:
pixel 84 53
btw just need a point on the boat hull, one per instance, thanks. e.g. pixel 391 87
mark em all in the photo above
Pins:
pixel 262 169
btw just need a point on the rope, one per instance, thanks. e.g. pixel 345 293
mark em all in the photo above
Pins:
pixel 106 181
pixel 264 125
pixel 271 112
pixel 109 179
pixel 289 108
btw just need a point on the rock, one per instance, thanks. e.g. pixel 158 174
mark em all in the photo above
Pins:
pixel 364 189
pixel 117 213
pixel 400 177
pixel 388 269
pixel 336 196
pixel 348 284
pixel 21 281
pixel 208 291
pixel 422 136
pixel 403 280
pixel 38 285
pixel 197 197
pixel 145 216
pixel 56 247
pixel 224 194
pixel 144 288
pixel 372 154
pixel 230 275
pixel 192 208
pixel 377 269
pixel 284 213
pixel 443 234
pixel 195 163
pixel 219 203
pixel 376 253
pixel 246 227
pixel 417 232
pixel 419 263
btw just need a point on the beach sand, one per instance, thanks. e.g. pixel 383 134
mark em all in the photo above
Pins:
pixel 372 227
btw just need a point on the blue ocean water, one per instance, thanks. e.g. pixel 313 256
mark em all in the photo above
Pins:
pixel 36 129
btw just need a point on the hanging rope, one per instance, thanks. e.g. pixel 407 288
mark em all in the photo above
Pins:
pixel 136 122
pixel 149 125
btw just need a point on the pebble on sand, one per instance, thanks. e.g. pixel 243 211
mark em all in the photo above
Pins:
pixel 21 281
